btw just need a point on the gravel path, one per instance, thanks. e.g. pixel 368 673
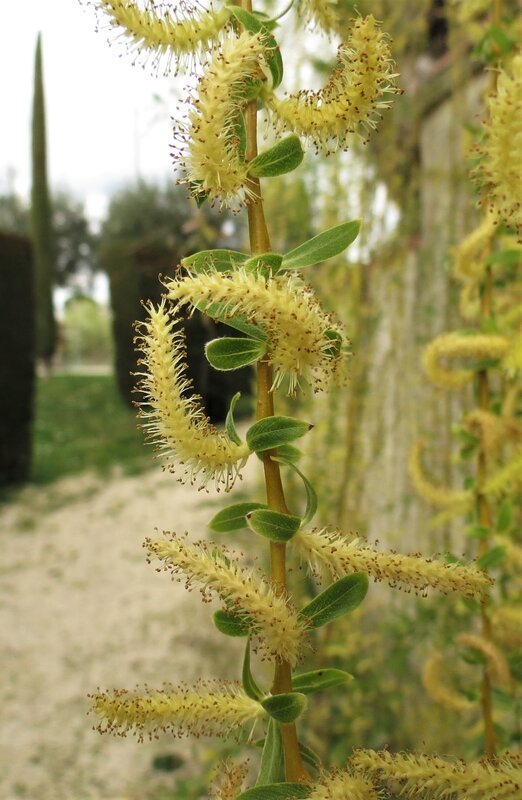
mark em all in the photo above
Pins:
pixel 80 608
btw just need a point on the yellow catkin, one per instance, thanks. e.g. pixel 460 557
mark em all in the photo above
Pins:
pixel 320 14
pixel 433 778
pixel 344 555
pixel 470 254
pixel 278 630
pixel 173 421
pixel 498 171
pixel 361 85
pixel 228 780
pixel 513 560
pixel 497 664
pixel 299 331
pixel 169 35
pixel 437 495
pixel 491 429
pixel 434 680
pixel 506 478
pixel 512 361
pixel 209 708
pixel 450 346
pixel 343 785
pixel 209 147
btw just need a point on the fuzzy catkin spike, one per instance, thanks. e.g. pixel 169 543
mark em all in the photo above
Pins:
pixel 276 626
pixel 343 785
pixel 497 665
pixel 434 680
pixel 208 708
pixel 456 345
pixel 344 555
pixel 210 148
pixel 321 14
pixel 498 171
pixel 299 331
pixel 228 780
pixel 506 478
pixel 431 778
pixel 175 423
pixel 438 495
pixel 360 86
pixel 507 625
pixel 170 35
pixel 470 254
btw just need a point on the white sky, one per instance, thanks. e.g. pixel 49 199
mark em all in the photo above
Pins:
pixel 103 124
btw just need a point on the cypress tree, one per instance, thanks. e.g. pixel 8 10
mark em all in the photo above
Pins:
pixel 41 223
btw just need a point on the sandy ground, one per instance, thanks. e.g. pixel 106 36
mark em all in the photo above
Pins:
pixel 80 608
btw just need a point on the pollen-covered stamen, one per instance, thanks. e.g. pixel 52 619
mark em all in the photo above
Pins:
pixel 362 83
pixel 166 35
pixel 343 785
pixel 208 708
pixel 173 421
pixel 304 341
pixel 277 628
pixel 500 152
pixel 210 146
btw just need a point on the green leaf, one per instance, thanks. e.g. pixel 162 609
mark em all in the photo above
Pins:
pixel 492 559
pixel 220 260
pixel 285 707
pixel 288 454
pixel 309 756
pixel 271 432
pixel 272 768
pixel 232 518
pixel 505 514
pixel 319 679
pixel 230 624
pixel 249 683
pixel 311 496
pixel 505 257
pixel 233 352
pixel 339 598
pixel 276 791
pixel 325 245
pixel 219 312
pixel 283 157
pixel 273 55
pixel 240 133
pixel 273 525
pixel 478 532
pixel 265 264
pixel 230 425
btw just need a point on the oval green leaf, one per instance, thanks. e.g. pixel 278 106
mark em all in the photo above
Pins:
pixel 273 431
pixel 266 264
pixel 325 245
pixel 311 495
pixel 249 682
pixel 283 157
pixel 219 312
pixel 285 708
pixel 232 353
pixel 273 525
pixel 230 624
pixel 230 424
pixel 232 518
pixel 319 679
pixel 220 260
pixel 276 791
pixel 339 598
pixel 272 767
pixel 309 756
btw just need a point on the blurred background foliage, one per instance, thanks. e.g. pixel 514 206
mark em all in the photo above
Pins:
pixel 394 292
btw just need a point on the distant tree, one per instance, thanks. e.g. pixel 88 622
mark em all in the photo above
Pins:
pixel 41 222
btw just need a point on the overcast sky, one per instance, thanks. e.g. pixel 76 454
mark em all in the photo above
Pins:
pixel 103 124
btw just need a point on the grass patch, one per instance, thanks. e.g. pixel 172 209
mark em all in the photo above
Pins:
pixel 81 423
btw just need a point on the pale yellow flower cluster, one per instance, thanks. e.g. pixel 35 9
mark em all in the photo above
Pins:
pixel 450 346
pixel 435 681
pixel 361 84
pixel 433 778
pixel 173 421
pixel 497 665
pixel 170 35
pixel 211 156
pixel 499 170
pixel 228 781
pixel 343 785
pixel 208 708
pixel 277 628
pixel 299 331
pixel 344 555
pixel 322 14
pixel 507 625
pixel 438 495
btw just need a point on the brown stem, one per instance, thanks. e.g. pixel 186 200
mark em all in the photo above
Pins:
pixel 295 771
